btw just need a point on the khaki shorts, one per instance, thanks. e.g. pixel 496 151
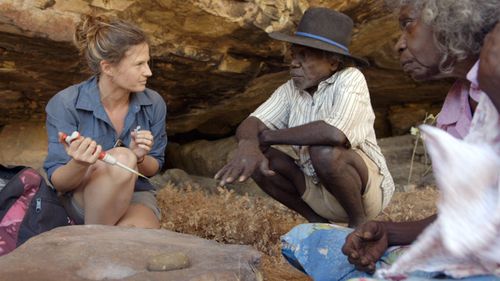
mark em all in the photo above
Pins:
pixel 146 198
pixel 327 206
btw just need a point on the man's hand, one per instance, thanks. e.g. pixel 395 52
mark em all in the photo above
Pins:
pixel 248 158
pixel 366 245
pixel 263 145
pixel 489 66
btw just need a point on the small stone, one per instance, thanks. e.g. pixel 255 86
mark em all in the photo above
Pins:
pixel 409 187
pixel 167 262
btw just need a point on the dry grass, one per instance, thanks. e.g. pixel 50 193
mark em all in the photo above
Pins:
pixel 409 206
pixel 230 218
pixel 227 217
pixel 234 219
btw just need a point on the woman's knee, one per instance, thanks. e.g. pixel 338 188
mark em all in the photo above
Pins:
pixel 110 181
pixel 124 156
pixel 138 215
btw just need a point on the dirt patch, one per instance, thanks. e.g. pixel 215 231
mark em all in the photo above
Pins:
pixel 234 219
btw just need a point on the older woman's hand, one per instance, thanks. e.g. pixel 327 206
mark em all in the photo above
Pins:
pixel 366 245
pixel 489 66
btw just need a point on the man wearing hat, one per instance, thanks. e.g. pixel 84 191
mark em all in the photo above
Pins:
pixel 337 172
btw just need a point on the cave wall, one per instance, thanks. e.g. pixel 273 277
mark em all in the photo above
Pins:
pixel 212 60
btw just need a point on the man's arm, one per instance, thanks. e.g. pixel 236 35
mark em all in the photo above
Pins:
pixel 489 66
pixel 248 156
pixel 314 133
pixel 369 241
pixel 249 130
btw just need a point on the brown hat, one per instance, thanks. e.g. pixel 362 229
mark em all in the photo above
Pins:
pixel 323 29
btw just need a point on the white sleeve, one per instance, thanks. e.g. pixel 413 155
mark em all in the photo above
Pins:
pixel 275 111
pixel 351 107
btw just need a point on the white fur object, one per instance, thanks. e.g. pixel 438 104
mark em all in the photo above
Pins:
pixel 465 238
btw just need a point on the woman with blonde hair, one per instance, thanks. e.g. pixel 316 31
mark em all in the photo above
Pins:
pixel 114 112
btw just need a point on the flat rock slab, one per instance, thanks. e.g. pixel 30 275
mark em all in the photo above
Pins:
pixel 92 252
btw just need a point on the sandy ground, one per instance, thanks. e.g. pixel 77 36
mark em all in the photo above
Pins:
pixel 234 219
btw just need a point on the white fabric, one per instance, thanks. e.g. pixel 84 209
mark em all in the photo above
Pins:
pixel 343 101
pixel 465 238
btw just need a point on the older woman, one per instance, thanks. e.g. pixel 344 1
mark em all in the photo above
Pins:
pixel 440 39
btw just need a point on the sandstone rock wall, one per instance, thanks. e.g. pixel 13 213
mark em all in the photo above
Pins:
pixel 212 59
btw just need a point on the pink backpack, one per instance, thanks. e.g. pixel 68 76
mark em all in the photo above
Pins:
pixel 28 206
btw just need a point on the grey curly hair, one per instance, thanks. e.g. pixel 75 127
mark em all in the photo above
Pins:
pixel 459 25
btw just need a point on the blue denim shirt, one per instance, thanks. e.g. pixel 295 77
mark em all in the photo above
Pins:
pixel 79 108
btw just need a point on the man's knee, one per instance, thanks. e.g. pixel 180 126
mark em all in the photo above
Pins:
pixel 327 159
pixel 270 153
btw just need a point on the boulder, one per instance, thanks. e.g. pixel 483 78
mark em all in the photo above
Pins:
pixel 23 143
pixel 94 252
pixel 205 158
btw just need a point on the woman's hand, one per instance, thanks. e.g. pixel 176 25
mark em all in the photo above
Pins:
pixel 141 143
pixel 83 151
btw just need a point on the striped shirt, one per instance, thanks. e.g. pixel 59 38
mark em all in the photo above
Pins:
pixel 343 101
